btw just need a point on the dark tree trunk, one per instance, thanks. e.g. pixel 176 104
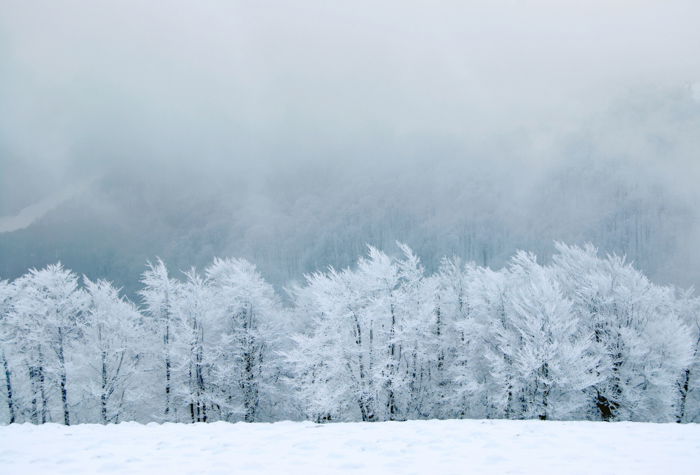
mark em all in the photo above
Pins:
pixel 545 393
pixel 8 388
pixel 193 392
pixel 249 383
pixel 684 386
pixel 250 386
pixel 34 383
pixel 42 389
pixel 609 404
pixel 166 342
pixel 199 374
pixel 63 378
pixel 196 377
pixel 44 397
pixel 103 395
pixel 606 407
pixel 438 332
pixel 391 399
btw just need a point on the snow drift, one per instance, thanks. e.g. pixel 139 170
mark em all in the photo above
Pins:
pixel 451 446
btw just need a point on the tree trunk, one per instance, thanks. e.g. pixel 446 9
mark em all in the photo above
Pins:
pixel 606 407
pixel 684 386
pixel 34 383
pixel 42 389
pixel 545 393
pixel 250 392
pixel 391 399
pixel 199 375
pixel 8 388
pixel 103 395
pixel 166 343
pixel 63 378
pixel 365 409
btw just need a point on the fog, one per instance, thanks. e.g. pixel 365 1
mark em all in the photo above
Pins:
pixel 292 133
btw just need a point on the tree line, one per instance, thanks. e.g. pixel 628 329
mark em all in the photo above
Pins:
pixel 585 337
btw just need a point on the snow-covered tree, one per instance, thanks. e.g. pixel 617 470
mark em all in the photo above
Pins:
pixel 6 335
pixel 249 314
pixel 348 362
pixel 114 339
pixel 158 294
pixel 193 305
pixel 460 339
pixel 47 312
pixel 586 337
pixel 641 343
pixel 324 357
pixel 417 335
pixel 496 340
pixel 371 347
pixel 374 314
pixel 554 362
pixel 689 382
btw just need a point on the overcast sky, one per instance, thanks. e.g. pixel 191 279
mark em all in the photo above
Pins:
pixel 281 99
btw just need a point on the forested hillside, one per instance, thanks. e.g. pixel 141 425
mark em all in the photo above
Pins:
pixel 292 136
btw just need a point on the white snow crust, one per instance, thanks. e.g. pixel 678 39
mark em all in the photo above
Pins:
pixel 424 447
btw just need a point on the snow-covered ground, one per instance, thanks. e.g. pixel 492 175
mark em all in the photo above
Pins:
pixel 431 447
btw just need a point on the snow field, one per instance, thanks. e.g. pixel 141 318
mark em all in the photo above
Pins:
pixel 421 447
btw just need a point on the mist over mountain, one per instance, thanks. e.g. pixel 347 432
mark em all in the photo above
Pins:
pixel 293 134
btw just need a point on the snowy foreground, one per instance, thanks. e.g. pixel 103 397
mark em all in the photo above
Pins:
pixel 463 446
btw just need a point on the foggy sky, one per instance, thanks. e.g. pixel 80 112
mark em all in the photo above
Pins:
pixel 296 120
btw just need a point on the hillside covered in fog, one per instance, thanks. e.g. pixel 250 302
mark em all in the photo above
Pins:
pixel 292 136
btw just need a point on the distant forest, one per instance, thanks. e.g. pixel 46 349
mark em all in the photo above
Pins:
pixel 299 221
